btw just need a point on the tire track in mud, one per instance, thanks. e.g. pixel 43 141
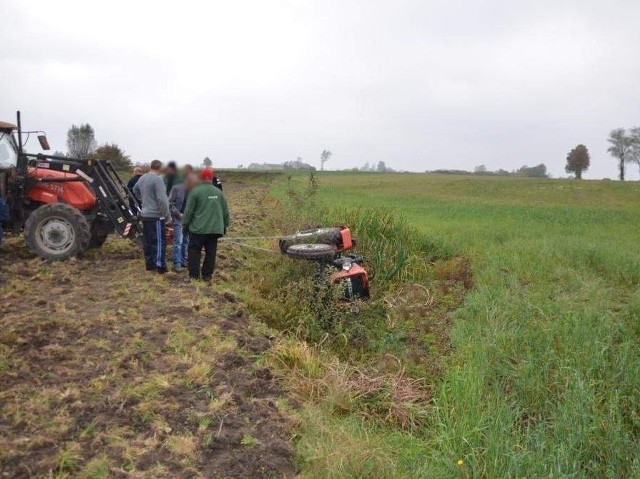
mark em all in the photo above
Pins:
pixel 108 371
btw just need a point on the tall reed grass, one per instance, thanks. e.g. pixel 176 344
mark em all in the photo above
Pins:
pixel 378 362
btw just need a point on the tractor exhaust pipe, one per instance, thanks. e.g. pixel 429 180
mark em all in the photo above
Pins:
pixel 22 159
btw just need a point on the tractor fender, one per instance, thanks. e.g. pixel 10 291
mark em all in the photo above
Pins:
pixel 74 193
pixel 40 195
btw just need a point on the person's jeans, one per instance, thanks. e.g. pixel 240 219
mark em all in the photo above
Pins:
pixel 197 243
pixel 180 242
pixel 155 243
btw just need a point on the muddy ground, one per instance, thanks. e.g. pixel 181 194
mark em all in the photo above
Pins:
pixel 109 371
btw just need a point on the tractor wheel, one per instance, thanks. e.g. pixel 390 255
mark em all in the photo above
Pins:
pixel 97 240
pixel 330 236
pixel 316 251
pixel 100 230
pixel 57 232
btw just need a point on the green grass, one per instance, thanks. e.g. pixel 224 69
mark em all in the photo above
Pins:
pixel 544 376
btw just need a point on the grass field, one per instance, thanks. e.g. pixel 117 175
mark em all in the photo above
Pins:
pixel 501 340
pixel 543 378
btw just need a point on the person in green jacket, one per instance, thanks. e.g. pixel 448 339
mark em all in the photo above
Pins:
pixel 206 218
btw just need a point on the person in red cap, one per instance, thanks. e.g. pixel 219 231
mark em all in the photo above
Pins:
pixel 206 218
pixel 207 174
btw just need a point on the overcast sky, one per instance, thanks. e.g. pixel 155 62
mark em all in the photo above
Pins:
pixel 418 84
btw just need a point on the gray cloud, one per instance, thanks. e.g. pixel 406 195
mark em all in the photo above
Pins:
pixel 418 84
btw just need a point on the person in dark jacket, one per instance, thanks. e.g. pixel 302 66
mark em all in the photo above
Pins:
pixel 4 215
pixel 172 176
pixel 214 178
pixel 206 217
pixel 177 204
pixel 137 173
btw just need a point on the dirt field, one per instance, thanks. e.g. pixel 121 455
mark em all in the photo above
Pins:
pixel 109 371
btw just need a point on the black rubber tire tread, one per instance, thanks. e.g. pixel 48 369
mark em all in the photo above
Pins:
pixel 331 236
pixel 97 241
pixel 79 222
pixel 314 251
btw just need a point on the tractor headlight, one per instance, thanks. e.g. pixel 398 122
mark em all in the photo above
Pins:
pixel 346 265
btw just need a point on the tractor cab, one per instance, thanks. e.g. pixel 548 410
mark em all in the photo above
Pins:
pixel 46 184
pixel 8 156
pixel 8 146
pixel 8 163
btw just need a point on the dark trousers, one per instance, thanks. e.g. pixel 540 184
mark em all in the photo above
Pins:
pixel 154 234
pixel 197 243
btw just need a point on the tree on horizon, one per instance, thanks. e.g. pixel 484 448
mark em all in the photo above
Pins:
pixel 621 147
pixel 324 157
pixel 578 160
pixel 634 156
pixel 114 154
pixel 81 141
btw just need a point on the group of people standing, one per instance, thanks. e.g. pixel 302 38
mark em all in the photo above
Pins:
pixel 193 204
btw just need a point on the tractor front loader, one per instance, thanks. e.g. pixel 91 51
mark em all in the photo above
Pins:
pixel 64 205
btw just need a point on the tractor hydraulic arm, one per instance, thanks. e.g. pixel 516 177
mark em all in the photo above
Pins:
pixel 112 195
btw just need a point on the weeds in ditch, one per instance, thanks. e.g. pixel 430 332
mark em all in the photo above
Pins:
pixel 366 366
pixel 397 257
pixel 394 399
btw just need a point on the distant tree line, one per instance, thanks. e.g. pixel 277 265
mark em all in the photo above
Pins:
pixel 624 146
pixel 380 167
pixel 297 164
pixel 539 171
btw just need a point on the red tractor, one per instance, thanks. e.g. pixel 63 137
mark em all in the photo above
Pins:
pixel 64 205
